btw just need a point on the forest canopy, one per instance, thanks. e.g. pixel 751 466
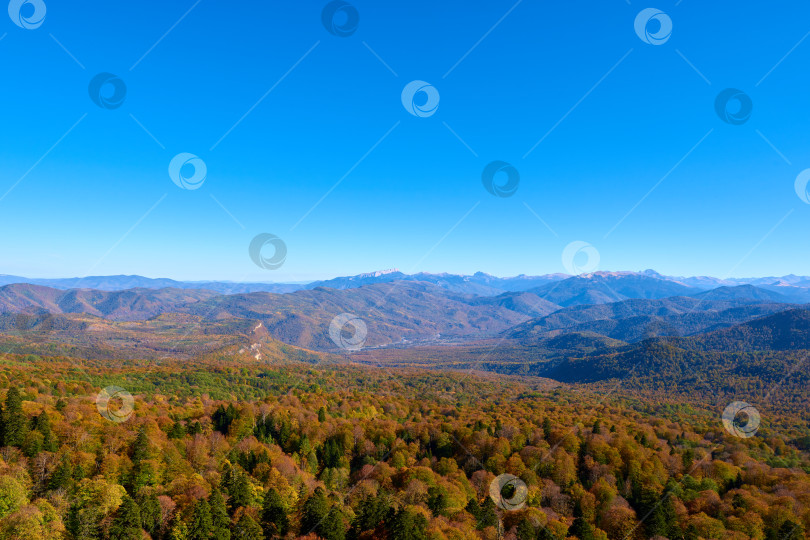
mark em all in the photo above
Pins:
pixel 223 450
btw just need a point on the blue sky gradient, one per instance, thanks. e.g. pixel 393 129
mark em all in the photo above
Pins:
pixel 632 157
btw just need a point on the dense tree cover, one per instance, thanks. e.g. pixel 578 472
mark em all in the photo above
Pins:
pixel 671 370
pixel 659 369
pixel 225 451
pixel 710 370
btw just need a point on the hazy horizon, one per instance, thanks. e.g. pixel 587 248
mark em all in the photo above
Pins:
pixel 326 277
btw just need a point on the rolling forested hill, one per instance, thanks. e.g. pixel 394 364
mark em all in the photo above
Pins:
pixel 633 320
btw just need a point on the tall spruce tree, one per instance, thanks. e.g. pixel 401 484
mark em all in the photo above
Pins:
pixel 406 525
pixel 150 514
pixel 246 528
pixel 580 528
pixel 241 489
pixel 43 425
pixel 220 522
pixel 332 527
pixel 14 421
pixel 61 476
pixel 315 510
pixel 274 515
pixel 488 516
pixel 201 523
pixel 126 524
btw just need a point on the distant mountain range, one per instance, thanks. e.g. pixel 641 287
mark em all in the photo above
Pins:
pixel 120 283
pixel 551 315
pixel 649 284
pixel 479 283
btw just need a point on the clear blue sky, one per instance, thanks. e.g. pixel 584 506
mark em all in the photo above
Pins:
pixel 101 200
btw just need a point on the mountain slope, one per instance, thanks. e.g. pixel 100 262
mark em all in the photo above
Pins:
pixel 605 287
pixel 767 356
pixel 742 292
pixel 636 319
pixel 521 302
pixel 127 305
pixel 788 330
pixel 392 312
pixel 166 336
